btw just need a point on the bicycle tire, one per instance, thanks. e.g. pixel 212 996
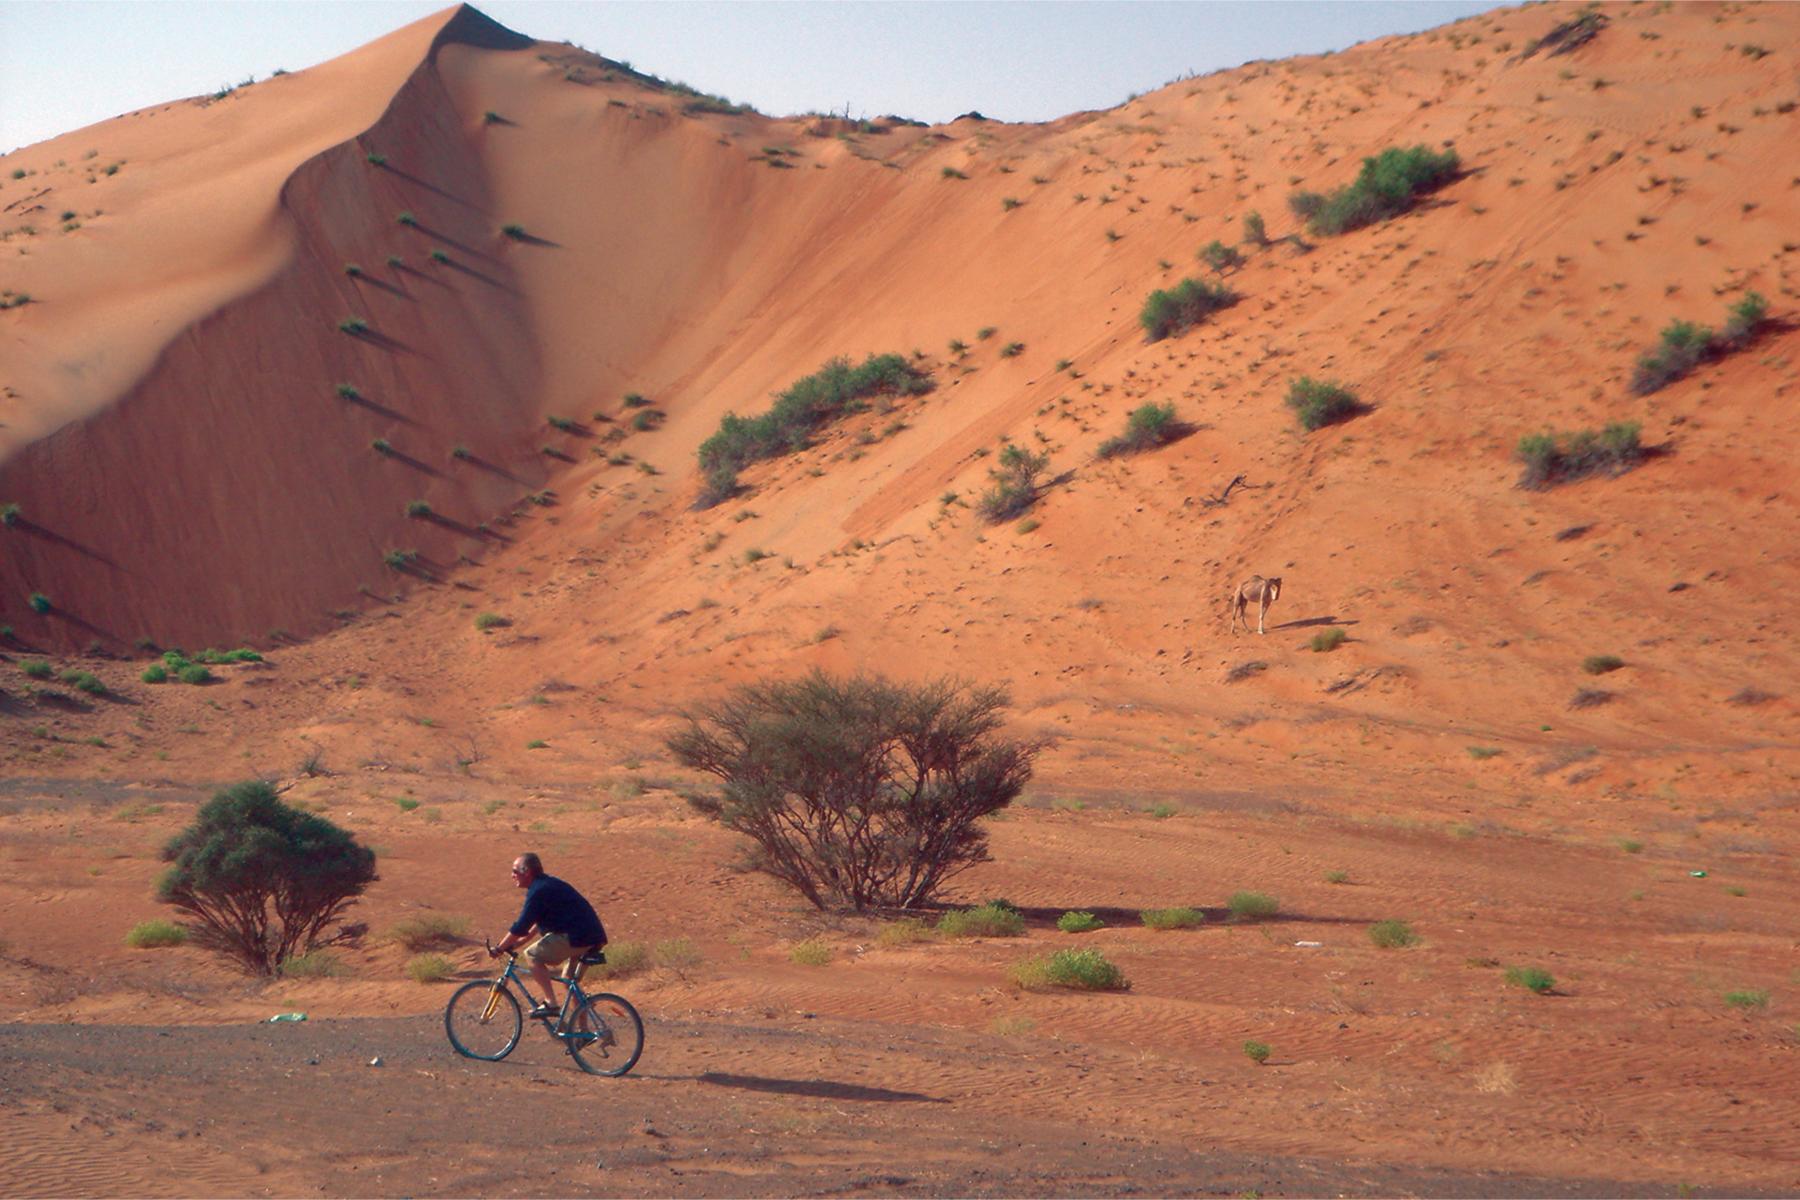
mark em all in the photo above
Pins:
pixel 606 1035
pixel 472 1032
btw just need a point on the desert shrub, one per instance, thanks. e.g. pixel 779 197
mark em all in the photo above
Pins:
pixel 1337 877
pixel 489 620
pixel 636 400
pixel 1012 349
pixel 85 681
pixel 515 232
pixel 799 411
pixel 1250 906
pixel 1590 698
pixel 1326 640
pixel 1015 484
pixel 9 514
pixel 36 668
pixel 857 791
pixel 261 882
pixel 1392 935
pixel 39 603
pixel 155 673
pixel 813 952
pixel 903 932
pixel 1079 922
pixel 1746 317
pixel 1552 458
pixel 1220 257
pixel 424 931
pixel 1254 232
pixel 1172 918
pixel 1148 426
pixel 1483 753
pixel 1680 348
pixel 1169 311
pixel 1748 998
pixel 194 674
pixel 314 964
pixel 1257 1052
pixel 1600 664
pixel 1317 403
pixel 623 959
pixel 417 509
pixel 1533 979
pixel 428 968
pixel 152 935
pixel 1082 970
pixel 407 219
pixel 675 954
pixel 1388 185
pixel 996 918
pixel 353 325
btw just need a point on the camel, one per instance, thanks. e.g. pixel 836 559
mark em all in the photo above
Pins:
pixel 1264 591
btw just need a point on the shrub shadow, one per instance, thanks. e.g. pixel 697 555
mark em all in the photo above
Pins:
pixel 38 531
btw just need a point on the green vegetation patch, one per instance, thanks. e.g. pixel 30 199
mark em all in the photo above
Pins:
pixel 1168 311
pixel 1148 426
pixel 1081 970
pixel 1389 184
pixel 1318 403
pixel 1172 918
pixel 154 935
pixel 1252 906
pixel 1393 935
pixel 801 410
pixel 1551 458
pixel 996 918
pixel 1079 922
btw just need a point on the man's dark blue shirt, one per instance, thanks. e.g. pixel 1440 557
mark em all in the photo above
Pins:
pixel 555 907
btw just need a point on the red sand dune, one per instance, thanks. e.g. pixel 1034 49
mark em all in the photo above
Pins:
pixel 187 473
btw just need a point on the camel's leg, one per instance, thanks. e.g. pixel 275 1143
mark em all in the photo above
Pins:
pixel 1237 610
pixel 1262 611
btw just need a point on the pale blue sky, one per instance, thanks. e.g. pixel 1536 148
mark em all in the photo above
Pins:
pixel 68 63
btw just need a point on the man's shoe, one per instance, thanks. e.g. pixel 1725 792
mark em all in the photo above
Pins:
pixel 543 1010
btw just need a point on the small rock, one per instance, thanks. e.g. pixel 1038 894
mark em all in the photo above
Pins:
pixel 376 1061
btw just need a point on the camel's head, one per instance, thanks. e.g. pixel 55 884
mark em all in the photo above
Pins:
pixel 1274 588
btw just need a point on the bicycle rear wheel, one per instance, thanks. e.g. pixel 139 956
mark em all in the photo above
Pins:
pixel 483 1020
pixel 606 1035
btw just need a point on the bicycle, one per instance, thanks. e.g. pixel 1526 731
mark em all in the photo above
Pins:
pixel 602 1032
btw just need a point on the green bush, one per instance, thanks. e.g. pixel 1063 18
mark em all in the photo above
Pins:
pixel 1552 458
pixel 1388 185
pixel 428 968
pixel 1081 970
pixel 993 919
pixel 623 959
pixel 1250 906
pixel 195 674
pixel 1219 256
pixel 1531 978
pixel 1392 935
pixel 806 405
pixel 1258 1052
pixel 155 673
pixel 417 509
pixel 1748 998
pixel 1600 664
pixel 1172 310
pixel 1148 426
pixel 1172 918
pixel 675 954
pixel 9 514
pixel 1326 640
pixel 1015 484
pixel 813 952
pixel 1254 232
pixel 353 325
pixel 1745 319
pixel 1681 348
pixel 1317 403
pixel 39 603
pixel 314 964
pixel 153 935
pixel 903 932
pixel 515 232
pixel 36 668
pixel 261 882
pixel 1079 922
pixel 86 681
pixel 429 930
pixel 488 620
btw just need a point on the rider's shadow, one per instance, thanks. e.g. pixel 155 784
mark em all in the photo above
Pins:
pixel 823 1089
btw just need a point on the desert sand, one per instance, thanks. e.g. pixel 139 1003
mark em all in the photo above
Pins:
pixel 189 434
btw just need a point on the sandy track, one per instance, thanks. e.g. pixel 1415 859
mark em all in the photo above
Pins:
pixel 785 1108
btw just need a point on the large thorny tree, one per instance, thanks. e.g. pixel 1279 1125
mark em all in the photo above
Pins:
pixel 859 792
pixel 261 881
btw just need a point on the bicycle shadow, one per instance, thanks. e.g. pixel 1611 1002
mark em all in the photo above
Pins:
pixel 821 1089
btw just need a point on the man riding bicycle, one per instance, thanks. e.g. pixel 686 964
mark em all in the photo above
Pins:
pixel 566 924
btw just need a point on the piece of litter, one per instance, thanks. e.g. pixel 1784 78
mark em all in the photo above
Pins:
pixel 1698 874
pixel 286 1017
pixel 1310 945
pixel 376 1061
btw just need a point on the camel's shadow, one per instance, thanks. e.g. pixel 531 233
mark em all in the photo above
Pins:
pixel 1309 622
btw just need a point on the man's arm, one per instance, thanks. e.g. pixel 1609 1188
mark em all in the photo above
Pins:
pixel 513 941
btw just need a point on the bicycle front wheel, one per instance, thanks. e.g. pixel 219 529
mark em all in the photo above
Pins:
pixel 483 1020
pixel 606 1035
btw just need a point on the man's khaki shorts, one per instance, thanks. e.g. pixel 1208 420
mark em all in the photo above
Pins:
pixel 553 948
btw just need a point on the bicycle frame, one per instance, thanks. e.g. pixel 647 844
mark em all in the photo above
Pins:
pixel 511 975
